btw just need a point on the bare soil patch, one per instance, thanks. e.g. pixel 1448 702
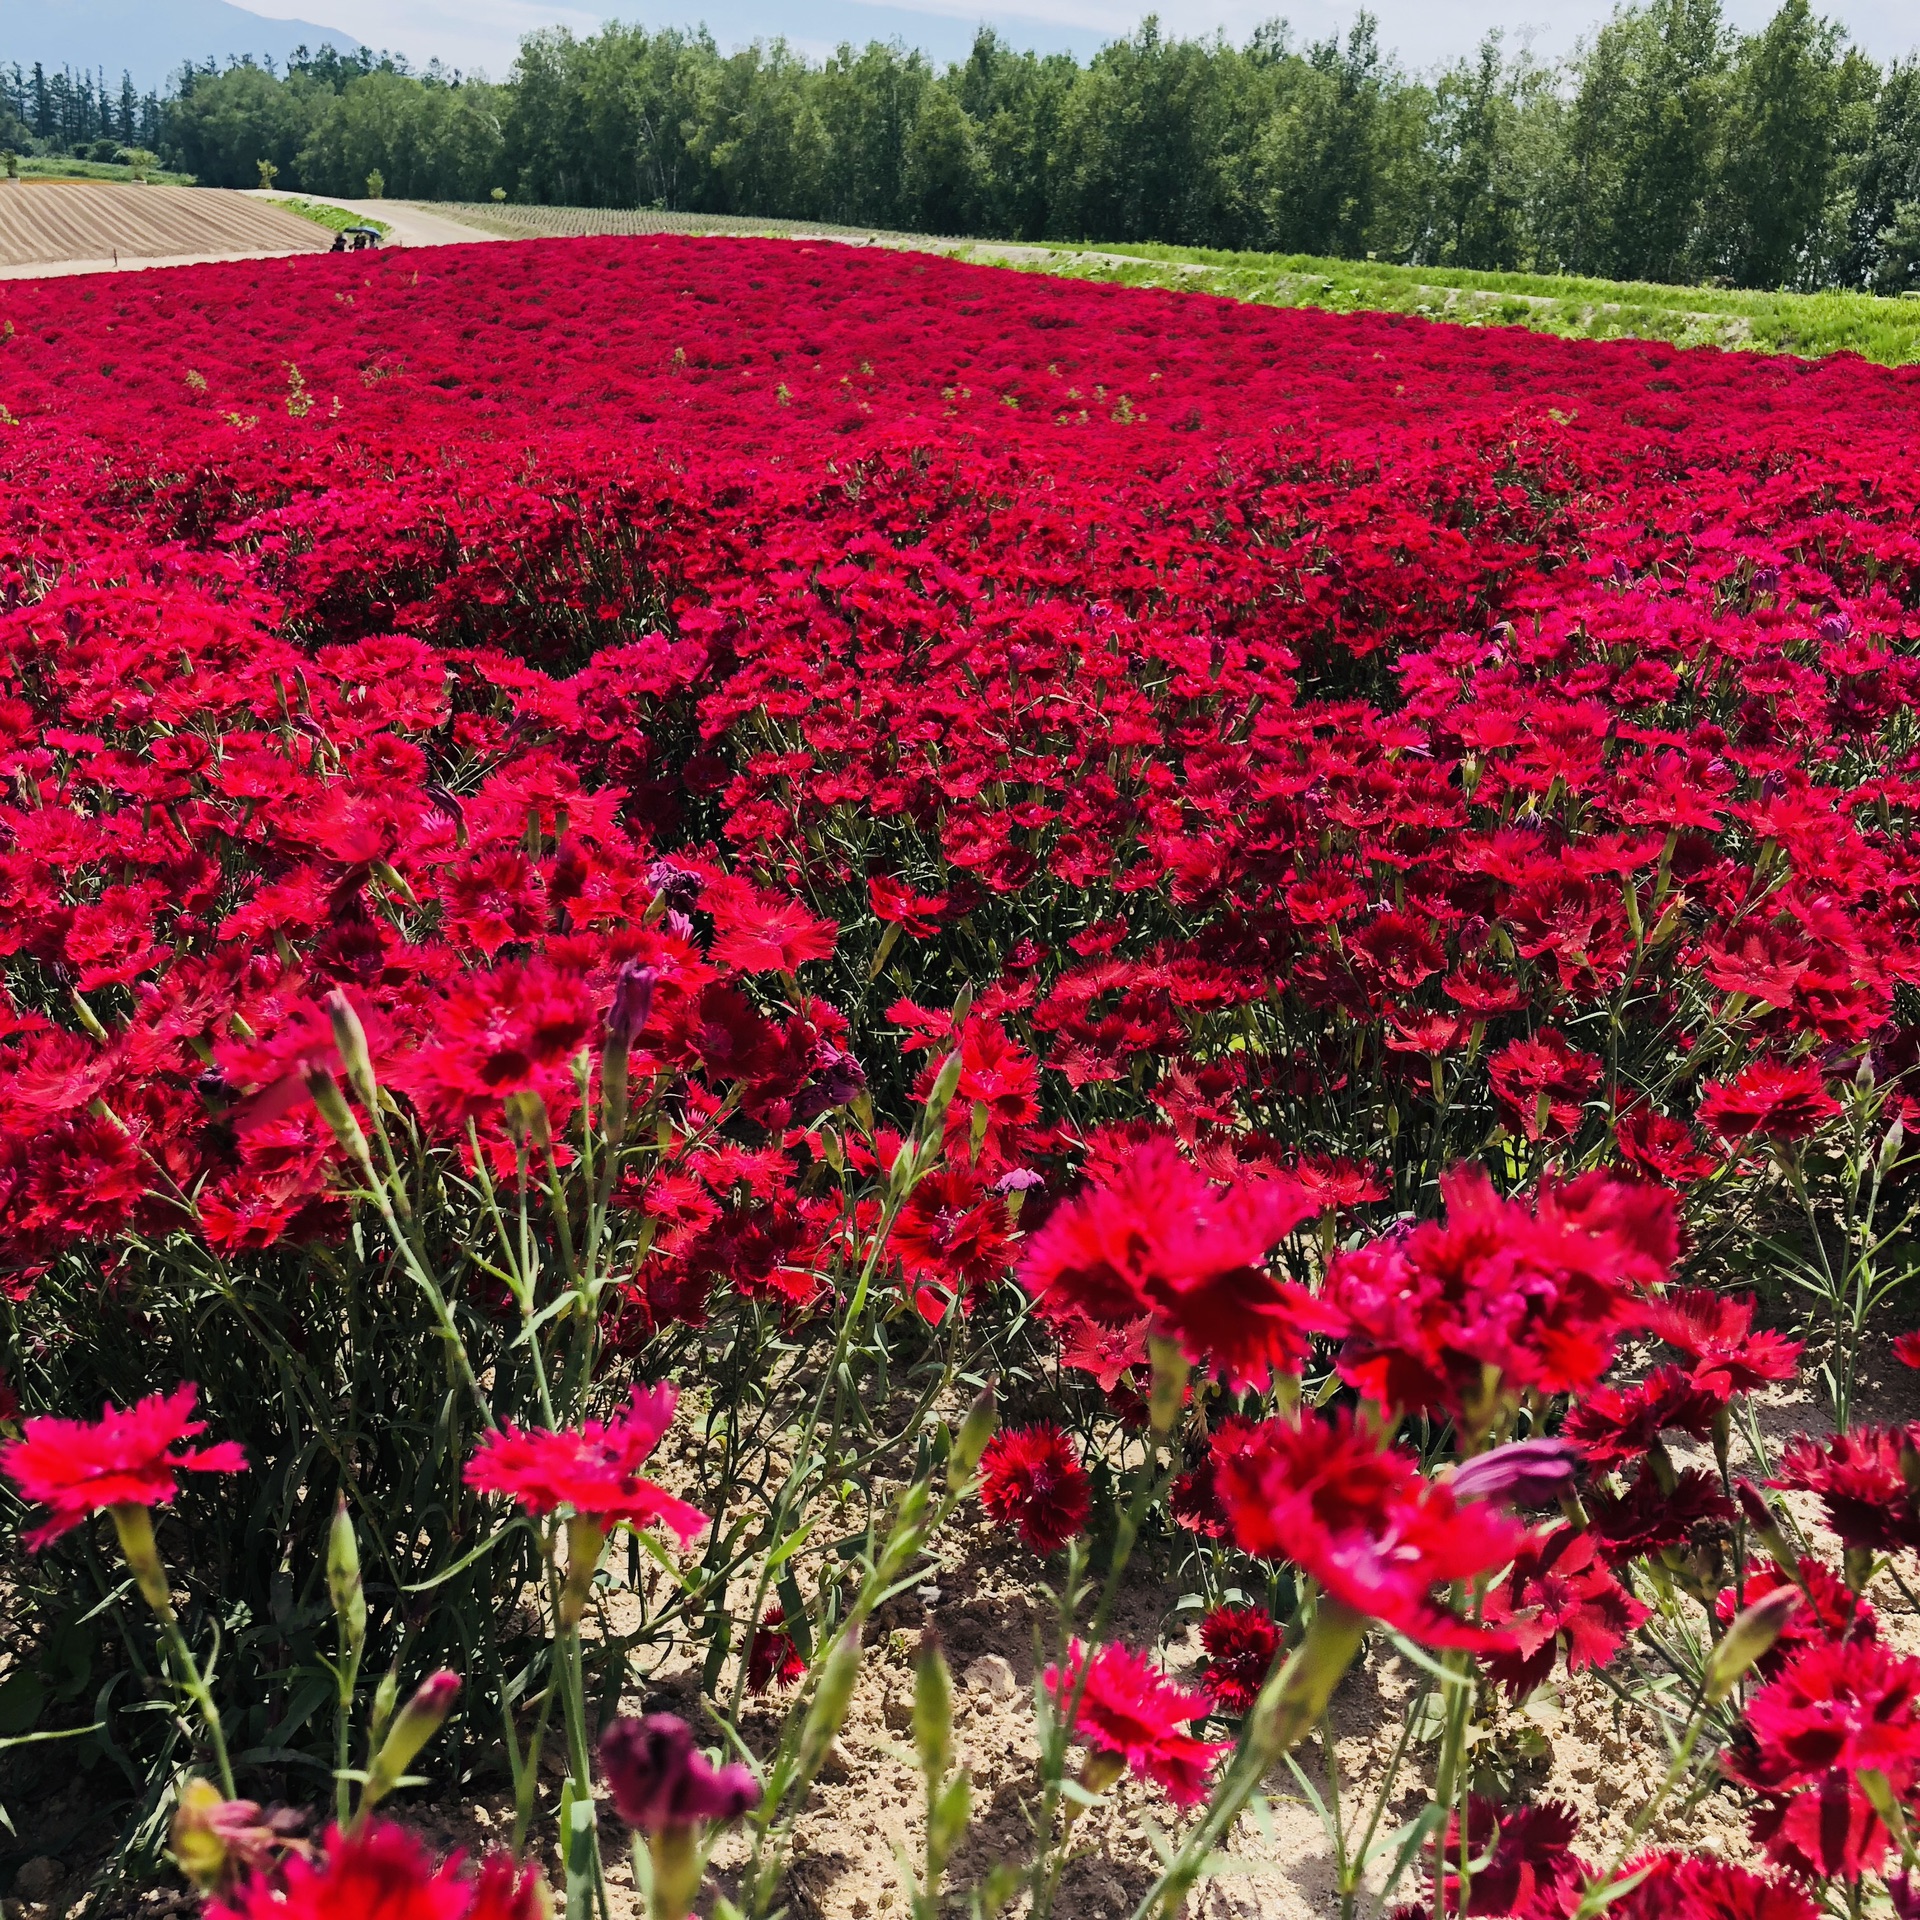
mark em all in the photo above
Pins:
pixel 66 222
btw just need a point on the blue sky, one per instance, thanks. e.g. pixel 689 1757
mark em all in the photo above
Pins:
pixel 483 33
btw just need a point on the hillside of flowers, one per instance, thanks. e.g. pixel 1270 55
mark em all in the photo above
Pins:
pixel 683 917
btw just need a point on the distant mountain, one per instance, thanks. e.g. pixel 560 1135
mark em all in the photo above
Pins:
pixel 149 38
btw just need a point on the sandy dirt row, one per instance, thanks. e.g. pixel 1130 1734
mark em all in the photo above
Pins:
pixel 66 224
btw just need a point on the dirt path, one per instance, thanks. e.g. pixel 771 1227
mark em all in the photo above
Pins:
pixel 408 224
pixel 90 227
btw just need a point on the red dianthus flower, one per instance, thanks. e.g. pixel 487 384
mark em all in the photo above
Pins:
pixel 1649 1516
pixel 1558 1591
pixel 382 1872
pixel 1838 1709
pixel 1861 1478
pixel 1540 1295
pixel 1778 1103
pixel 1031 1478
pixel 1132 1710
pixel 1696 1887
pixel 773 1657
pixel 1832 1610
pixel 1716 1331
pixel 952 1236
pixel 1614 1425
pixel 1158 1238
pixel 593 1468
pixel 1241 1643
pixel 1358 1516
pixel 130 1458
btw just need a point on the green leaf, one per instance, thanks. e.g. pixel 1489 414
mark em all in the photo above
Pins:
pixel 518 1524
pixel 58 1733
pixel 22 1695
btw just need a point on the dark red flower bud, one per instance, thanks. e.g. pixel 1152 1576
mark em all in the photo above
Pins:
pixel 1753 1503
pixel 632 1003
pixel 660 1780
pixel 1529 1473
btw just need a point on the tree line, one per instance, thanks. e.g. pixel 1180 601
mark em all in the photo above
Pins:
pixel 75 113
pixel 1668 147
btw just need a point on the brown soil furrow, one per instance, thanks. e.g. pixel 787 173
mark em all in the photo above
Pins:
pixel 96 221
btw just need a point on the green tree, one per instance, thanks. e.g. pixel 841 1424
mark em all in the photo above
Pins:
pixel 760 139
pixel 868 102
pixel 1016 102
pixel 1642 136
pixel 1317 164
pixel 942 165
pixel 1777 152
pixel 1477 192
pixel 226 124
pixel 1883 202
pixel 424 139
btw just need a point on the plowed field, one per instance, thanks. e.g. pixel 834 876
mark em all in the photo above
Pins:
pixel 60 223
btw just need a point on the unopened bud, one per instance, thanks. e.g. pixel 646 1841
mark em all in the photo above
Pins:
pixel 941 1098
pixel 1170 1370
pixel 971 1440
pixel 1765 1524
pixel 831 1698
pixel 85 1014
pixel 527 1118
pixel 907 1535
pixel 1102 1769
pixel 1753 1631
pixel 386 1696
pixel 343 1576
pixel 678 1870
pixel 585 1539
pixel 350 1040
pixel 198 1846
pixel 1294 1699
pixel 395 881
pixel 334 1110
pixel 901 1171
pixel 419 1720
pixel 1524 1473
pixel 947 1817
pixel 632 1003
pixel 932 1710
pixel 1890 1146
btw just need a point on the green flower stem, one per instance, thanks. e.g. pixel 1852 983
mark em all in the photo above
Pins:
pixel 134 1525
pixel 1594 1900
pixel 790 1487
pixel 1291 1704
pixel 346 1129
pixel 1060 1733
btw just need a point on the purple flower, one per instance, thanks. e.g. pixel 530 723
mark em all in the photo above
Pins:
pixel 838 1078
pixel 1529 1473
pixel 1018 1180
pixel 660 1780
pixel 676 885
pixel 632 1003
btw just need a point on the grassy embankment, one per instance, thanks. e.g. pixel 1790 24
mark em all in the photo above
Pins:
pixel 33 167
pixel 1886 330
pixel 334 219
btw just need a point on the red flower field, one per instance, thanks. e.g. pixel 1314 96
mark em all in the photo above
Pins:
pixel 1166 834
